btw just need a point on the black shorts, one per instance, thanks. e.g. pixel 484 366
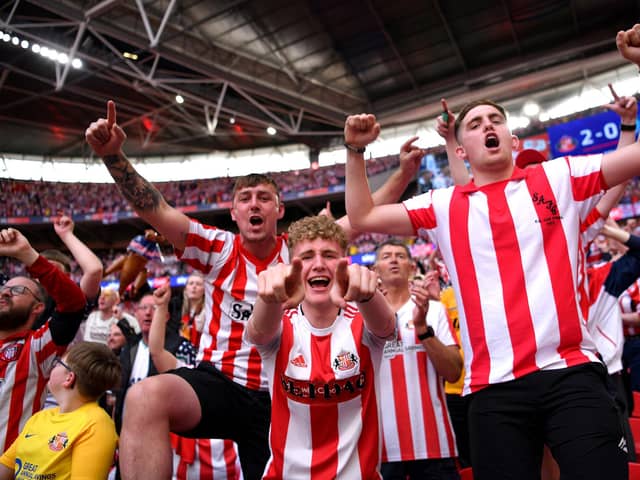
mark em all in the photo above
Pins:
pixel 568 409
pixel 229 410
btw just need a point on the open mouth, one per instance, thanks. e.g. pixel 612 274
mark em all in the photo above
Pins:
pixel 491 141
pixel 255 220
pixel 321 282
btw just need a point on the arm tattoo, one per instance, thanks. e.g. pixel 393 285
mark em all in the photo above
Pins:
pixel 139 192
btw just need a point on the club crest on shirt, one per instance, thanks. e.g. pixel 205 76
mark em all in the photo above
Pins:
pixel 240 311
pixel 299 361
pixel 552 214
pixel 345 361
pixel 58 442
pixel 11 351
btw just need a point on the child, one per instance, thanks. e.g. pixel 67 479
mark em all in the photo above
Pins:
pixel 77 439
pixel 320 326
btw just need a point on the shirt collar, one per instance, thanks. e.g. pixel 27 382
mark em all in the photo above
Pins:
pixel 471 187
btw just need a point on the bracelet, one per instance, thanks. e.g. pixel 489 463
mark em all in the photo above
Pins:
pixel 625 127
pixel 355 149
pixel 367 299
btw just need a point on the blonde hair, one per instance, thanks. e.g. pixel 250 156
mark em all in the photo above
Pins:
pixel 311 228
pixel 186 303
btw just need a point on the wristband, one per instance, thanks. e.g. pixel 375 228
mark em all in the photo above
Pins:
pixel 353 148
pixel 428 334
pixel 625 127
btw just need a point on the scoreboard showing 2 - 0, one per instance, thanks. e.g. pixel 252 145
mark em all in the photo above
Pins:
pixel 594 134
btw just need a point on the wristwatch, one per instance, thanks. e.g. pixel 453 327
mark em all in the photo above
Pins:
pixel 428 334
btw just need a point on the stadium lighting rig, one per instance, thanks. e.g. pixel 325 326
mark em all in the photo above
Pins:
pixel 50 53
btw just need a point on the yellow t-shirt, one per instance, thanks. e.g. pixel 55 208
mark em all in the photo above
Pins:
pixel 448 299
pixel 78 445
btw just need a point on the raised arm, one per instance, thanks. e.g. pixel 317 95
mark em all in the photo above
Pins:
pixel 615 232
pixel 627 109
pixel 106 139
pixel 360 131
pixel 393 188
pixel 624 163
pixel 161 358
pixel 445 128
pixel 89 263
pixel 70 300
pixel 445 358
pixel 355 283
pixel 279 287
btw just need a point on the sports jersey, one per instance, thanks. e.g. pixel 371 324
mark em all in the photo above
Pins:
pixel 606 283
pixel 26 358
pixel 231 289
pixel 191 326
pixel 415 419
pixel 511 248
pixel 204 459
pixel 324 410
pixel 628 302
pixel 448 299
pixel 54 445
pixel 145 248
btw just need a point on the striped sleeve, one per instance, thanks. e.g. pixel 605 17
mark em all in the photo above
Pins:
pixel 206 247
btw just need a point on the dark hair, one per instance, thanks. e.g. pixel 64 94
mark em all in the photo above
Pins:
pixel 96 367
pixel 58 256
pixel 394 242
pixel 253 180
pixel 471 105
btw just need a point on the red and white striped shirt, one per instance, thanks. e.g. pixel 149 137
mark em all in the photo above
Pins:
pixel 324 409
pixel 415 419
pixel 26 358
pixel 231 289
pixel 628 302
pixel 204 459
pixel 512 251
pixel 605 321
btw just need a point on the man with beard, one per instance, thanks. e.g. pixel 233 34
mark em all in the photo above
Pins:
pixel 26 356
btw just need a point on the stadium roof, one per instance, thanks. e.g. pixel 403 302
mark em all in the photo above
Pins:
pixel 298 66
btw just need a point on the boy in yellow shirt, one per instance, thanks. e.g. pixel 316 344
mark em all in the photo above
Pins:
pixel 77 439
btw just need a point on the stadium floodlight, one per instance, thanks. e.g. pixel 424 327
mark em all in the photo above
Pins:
pixel 531 109
pixel 271 130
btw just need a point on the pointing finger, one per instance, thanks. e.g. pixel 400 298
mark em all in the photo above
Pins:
pixel 111 113
pixel 406 146
pixel 296 269
pixel 613 92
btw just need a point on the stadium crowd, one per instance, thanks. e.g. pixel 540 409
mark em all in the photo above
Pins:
pixel 487 330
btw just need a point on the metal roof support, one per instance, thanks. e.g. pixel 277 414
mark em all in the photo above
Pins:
pixel 13 10
pixel 392 45
pixel 511 27
pixel 72 53
pixel 100 8
pixel 212 123
pixel 145 20
pixel 450 35
pixel 262 108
